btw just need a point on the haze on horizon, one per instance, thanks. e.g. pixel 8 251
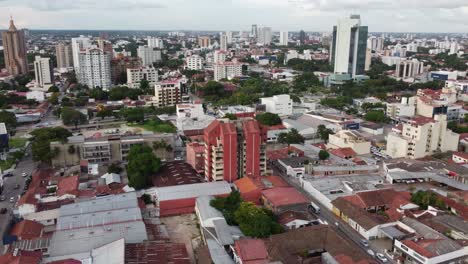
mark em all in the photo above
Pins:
pixel 293 15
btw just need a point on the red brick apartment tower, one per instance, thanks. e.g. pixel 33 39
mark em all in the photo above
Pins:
pixel 252 145
pixel 220 152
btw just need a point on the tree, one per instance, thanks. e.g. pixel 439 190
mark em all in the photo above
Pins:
pixel 324 132
pixel 114 168
pixel 304 81
pixel 427 198
pixel 53 89
pixel 98 94
pixel 142 164
pixel 9 119
pixel 145 87
pixel 323 154
pixel 291 137
pixel 255 221
pixel 54 99
pixel 268 119
pixel 230 116
pixel 136 114
pixel 41 139
pixel 228 206
pixel 376 116
pixel 71 116
pixel 122 92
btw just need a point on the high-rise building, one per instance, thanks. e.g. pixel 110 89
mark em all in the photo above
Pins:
pixel 348 52
pixel 64 54
pixel 155 42
pixel 227 69
pixel 223 42
pixel 136 75
pixel 43 71
pixel 14 50
pixel 168 92
pixel 119 68
pixel 302 37
pixel 219 56
pixel 79 44
pixel 375 43
pixel 283 38
pixel 409 68
pixel 229 37
pixel 204 42
pixel 254 31
pixel 194 62
pixel 234 150
pixel 94 69
pixel 264 35
pixel 148 55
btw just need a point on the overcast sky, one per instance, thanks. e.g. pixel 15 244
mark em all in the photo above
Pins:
pixel 292 15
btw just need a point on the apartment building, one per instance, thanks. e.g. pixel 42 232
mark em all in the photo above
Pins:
pixel 459 85
pixel 421 136
pixel 349 139
pixel 136 75
pixel 409 68
pixel 434 102
pixel 64 55
pixel 234 150
pixel 119 68
pixel 204 42
pixel 406 108
pixel 148 55
pixel 168 93
pixel 105 150
pixel 278 104
pixel 94 68
pixel 43 71
pixel 194 62
pixel 227 70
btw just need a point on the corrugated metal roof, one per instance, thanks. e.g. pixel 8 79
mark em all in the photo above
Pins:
pixel 190 190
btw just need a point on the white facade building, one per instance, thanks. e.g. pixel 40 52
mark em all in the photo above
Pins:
pixel 406 108
pixel 194 62
pixel 223 42
pixel 227 70
pixel 155 42
pixel 278 104
pixel 283 38
pixel 148 55
pixel 43 71
pixel 168 93
pixel 78 44
pixel 421 137
pixel 264 35
pixel 136 75
pixel 94 68
pixel 219 56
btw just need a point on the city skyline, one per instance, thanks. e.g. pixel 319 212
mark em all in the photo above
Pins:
pixel 310 15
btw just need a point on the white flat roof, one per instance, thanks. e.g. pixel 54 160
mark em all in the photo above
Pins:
pixel 190 190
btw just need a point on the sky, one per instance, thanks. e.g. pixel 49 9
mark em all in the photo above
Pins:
pixel 235 15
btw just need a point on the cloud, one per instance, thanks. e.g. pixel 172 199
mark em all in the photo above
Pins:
pixel 73 5
pixel 399 5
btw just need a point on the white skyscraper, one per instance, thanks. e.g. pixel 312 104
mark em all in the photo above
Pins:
pixel 229 37
pixel 453 47
pixel 148 55
pixel 223 42
pixel 78 44
pixel 95 68
pixel 264 35
pixel 42 71
pixel 155 42
pixel 348 52
pixel 283 38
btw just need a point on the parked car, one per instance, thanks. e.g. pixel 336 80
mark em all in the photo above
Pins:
pixel 2 198
pixel 24 174
pixel 364 242
pixel 3 210
pixel 370 252
pixel 12 199
pixel 382 257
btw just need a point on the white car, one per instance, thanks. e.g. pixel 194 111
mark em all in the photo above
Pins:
pixel 382 257
pixel 370 252
pixel 24 174
pixel 12 199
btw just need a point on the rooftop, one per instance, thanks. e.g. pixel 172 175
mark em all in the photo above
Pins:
pixel 190 190
pixel 284 196
pixel 176 173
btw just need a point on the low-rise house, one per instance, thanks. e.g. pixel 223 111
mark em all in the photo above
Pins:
pixel 294 219
pixel 349 139
pixel 282 199
pixel 460 157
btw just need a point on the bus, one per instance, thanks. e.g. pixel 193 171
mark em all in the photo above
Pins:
pixel 314 208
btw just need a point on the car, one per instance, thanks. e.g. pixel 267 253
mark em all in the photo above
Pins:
pixel 2 198
pixel 3 210
pixel 370 252
pixel 337 224
pixel 364 242
pixel 17 186
pixel 8 174
pixel 24 174
pixel 12 199
pixel 382 257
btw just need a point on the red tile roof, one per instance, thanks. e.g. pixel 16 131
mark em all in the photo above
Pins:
pixel 462 155
pixel 68 185
pixel 155 252
pixel 289 216
pixel 284 196
pixel 10 259
pixel 251 251
pixel 247 184
pixel 27 229
pixel 66 261
pixel 343 152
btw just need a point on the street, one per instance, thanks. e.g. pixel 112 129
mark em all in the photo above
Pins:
pixel 341 227
pixel 25 165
